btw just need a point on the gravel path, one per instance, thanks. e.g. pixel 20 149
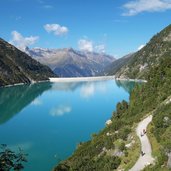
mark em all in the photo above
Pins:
pixel 147 158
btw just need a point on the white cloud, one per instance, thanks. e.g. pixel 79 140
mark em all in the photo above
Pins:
pixel 138 6
pixel 140 47
pixel 88 45
pixel 100 48
pixel 60 110
pixel 22 42
pixel 44 5
pixel 85 45
pixel 56 29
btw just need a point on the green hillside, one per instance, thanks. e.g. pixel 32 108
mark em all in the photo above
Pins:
pixel 107 150
pixel 149 56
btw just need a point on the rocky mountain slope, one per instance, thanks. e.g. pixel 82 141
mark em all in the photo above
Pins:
pixel 147 57
pixel 71 63
pixel 114 67
pixel 18 67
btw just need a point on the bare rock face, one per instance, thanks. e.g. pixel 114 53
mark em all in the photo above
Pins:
pixel 168 38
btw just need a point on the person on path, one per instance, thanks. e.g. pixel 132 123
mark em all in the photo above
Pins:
pixel 142 153
pixel 144 131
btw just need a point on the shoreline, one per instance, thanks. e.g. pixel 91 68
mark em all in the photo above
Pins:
pixel 77 79
pixel 135 80
pixel 18 84
pixel 100 78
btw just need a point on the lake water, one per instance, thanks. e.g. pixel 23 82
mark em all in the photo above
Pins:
pixel 48 120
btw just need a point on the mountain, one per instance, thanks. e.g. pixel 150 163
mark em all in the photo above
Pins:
pixel 117 147
pixel 148 57
pixel 71 63
pixel 114 67
pixel 18 67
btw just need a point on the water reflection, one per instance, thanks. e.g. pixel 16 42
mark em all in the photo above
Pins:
pixel 126 85
pixel 14 99
pixel 54 122
pixel 60 110
pixel 37 102
pixel 67 86
pixel 87 90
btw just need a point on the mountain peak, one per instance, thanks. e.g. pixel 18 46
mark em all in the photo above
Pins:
pixel 68 62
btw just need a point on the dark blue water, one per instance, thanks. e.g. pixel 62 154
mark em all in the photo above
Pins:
pixel 48 120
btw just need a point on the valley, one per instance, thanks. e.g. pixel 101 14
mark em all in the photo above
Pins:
pixel 85 85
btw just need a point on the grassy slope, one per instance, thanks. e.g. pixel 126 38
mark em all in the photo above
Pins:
pixel 141 63
pixel 143 99
pixel 95 154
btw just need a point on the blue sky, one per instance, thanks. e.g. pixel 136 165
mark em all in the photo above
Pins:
pixel 116 27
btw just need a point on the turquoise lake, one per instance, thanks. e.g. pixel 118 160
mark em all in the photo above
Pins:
pixel 48 120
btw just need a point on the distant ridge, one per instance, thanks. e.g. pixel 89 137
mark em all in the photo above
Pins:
pixel 68 62
pixel 115 66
